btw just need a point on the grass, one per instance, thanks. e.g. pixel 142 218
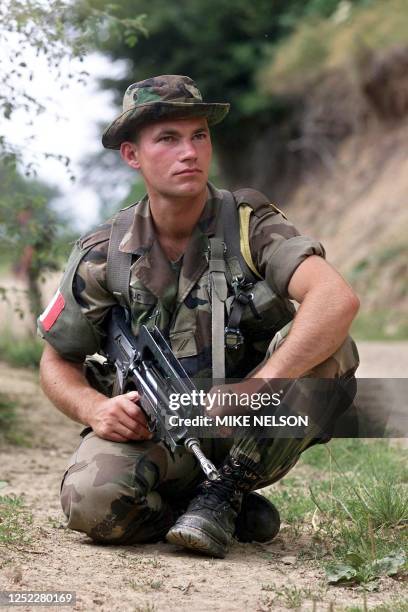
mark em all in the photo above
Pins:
pixel 355 503
pixel 11 430
pixel 291 596
pixel 304 55
pixel 380 325
pixel 9 422
pixel 21 352
pixel 14 521
pixel 396 605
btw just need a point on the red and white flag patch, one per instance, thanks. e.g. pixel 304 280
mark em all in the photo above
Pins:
pixel 53 311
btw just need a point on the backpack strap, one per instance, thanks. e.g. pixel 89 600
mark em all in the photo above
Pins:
pixel 227 260
pixel 118 263
pixel 219 292
pixel 241 267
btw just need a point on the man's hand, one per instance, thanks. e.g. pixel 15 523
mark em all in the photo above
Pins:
pixel 117 418
pixel 120 419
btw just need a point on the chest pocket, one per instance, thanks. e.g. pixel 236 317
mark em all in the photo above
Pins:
pixel 190 332
pixel 183 343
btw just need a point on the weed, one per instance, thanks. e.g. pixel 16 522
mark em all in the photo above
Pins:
pixel 357 507
pixel 14 520
pixel 378 504
pixel 290 595
pixel 395 605
pixel 364 520
pixel 359 459
pixel 156 584
pixel 152 562
pixel 148 607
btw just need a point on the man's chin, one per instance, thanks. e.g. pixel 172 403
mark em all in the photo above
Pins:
pixel 190 188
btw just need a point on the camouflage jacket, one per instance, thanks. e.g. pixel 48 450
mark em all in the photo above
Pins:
pixel 176 296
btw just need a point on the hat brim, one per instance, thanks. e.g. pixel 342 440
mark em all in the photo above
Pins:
pixel 122 127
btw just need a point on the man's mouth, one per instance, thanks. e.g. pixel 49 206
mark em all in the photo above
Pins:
pixel 189 171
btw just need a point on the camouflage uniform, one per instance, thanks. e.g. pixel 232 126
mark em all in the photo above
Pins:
pixel 133 492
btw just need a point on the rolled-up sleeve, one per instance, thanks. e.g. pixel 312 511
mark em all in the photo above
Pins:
pixel 278 248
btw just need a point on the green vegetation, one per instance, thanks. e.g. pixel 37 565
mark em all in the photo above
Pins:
pixel 224 57
pixel 345 40
pixel 396 605
pixel 14 521
pixel 31 230
pixel 380 325
pixel 357 504
pixel 10 430
pixel 290 596
pixel 382 272
pixel 21 352
pixel 60 31
pixel 7 415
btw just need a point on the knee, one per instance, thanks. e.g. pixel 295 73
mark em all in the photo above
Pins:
pixel 102 511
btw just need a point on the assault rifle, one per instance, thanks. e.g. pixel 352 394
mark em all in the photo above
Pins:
pixel 148 365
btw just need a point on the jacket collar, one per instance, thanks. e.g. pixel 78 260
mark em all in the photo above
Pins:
pixel 141 235
pixel 153 268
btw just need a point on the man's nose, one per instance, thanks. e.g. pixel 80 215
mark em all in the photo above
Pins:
pixel 188 150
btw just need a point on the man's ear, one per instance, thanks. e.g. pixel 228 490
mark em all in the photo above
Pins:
pixel 129 154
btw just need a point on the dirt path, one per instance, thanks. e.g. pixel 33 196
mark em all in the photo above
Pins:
pixel 150 577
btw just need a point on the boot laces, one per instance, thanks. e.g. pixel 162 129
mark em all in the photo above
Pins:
pixel 220 493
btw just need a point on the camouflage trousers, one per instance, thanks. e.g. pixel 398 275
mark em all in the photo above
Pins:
pixel 133 492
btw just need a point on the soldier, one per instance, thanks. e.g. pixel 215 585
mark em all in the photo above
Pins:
pixel 120 486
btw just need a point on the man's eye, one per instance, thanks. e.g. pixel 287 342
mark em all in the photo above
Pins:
pixel 201 136
pixel 166 139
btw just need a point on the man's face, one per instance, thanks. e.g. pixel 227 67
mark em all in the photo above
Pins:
pixel 173 156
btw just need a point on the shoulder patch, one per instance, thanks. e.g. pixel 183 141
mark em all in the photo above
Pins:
pixel 256 200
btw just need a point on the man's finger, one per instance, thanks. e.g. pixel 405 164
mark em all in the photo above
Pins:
pixel 129 434
pixel 134 396
pixel 134 412
pixel 134 426
pixel 113 437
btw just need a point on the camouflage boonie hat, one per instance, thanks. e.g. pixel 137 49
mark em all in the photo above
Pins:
pixel 170 95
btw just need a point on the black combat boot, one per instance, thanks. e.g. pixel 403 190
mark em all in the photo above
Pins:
pixel 258 521
pixel 209 523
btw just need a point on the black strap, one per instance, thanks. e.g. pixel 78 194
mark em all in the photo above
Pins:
pixel 118 263
pixel 242 277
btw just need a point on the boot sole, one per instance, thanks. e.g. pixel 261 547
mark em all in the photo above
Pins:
pixel 196 540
